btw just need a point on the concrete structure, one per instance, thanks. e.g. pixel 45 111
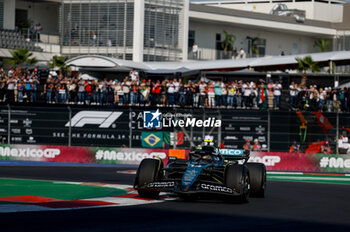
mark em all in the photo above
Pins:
pixel 164 30
pixel 322 10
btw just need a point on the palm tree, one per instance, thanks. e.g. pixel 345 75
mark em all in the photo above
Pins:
pixel 322 44
pixel 253 49
pixel 60 63
pixel 21 56
pixel 304 65
pixel 228 42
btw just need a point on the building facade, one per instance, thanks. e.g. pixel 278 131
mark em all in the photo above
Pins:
pixel 137 30
pixel 165 30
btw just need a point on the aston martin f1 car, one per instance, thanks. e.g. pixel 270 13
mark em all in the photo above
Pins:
pixel 206 171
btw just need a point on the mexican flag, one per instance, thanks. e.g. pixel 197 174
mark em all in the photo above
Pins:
pixel 263 96
pixel 172 138
pixel 152 139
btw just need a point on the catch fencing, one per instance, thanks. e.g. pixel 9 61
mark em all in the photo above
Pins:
pixel 96 126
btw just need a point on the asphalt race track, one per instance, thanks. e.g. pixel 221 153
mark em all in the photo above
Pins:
pixel 288 206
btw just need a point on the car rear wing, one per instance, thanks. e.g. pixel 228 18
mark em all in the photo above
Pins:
pixel 234 154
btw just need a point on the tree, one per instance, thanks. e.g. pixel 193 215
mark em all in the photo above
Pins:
pixel 322 44
pixel 228 42
pixel 21 56
pixel 304 65
pixel 60 63
pixel 253 49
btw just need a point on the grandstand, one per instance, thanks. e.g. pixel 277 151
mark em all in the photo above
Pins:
pixel 12 39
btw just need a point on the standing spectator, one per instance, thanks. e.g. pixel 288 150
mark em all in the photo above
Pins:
pixel 126 90
pixel 119 96
pixel 202 93
pixel 329 99
pixel 94 92
pixel 230 95
pixel 94 38
pixel 182 92
pixel 170 93
pixel 336 99
pixel 246 95
pixel 195 91
pixel 239 93
pixel 88 92
pixel 346 99
pixel 189 94
pixel 28 90
pixel 224 94
pixel 72 91
pixel 176 90
pixel 294 148
pixel 62 95
pixel 163 93
pixel 222 144
pixel 47 89
pixel 81 91
pixel 102 85
pixel 323 96
pixel 253 96
pixel 247 146
pixel 34 86
pixel 234 53
pixel 270 98
pixel 218 93
pixel 11 85
pixel 293 95
pixel 38 29
pixel 211 95
pixel 241 54
pixel 20 88
pixel 195 51
pixel 325 148
pixel 256 145
pixel 134 93
pixel 133 75
pixel 277 91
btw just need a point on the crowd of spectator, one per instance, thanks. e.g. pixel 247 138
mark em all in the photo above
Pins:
pixel 313 98
pixel 132 91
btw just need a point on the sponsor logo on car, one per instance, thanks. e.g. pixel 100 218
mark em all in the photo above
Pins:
pixel 231 152
pixel 104 119
pixel 216 188
pixel 165 184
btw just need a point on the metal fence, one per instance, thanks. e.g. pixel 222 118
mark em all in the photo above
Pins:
pixel 124 127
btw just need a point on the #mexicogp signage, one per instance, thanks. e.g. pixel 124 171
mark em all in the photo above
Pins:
pixel 274 161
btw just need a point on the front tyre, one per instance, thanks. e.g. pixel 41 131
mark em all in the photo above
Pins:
pixel 237 178
pixel 257 179
pixel 149 171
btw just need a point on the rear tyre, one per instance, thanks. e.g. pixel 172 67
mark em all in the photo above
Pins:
pixel 237 178
pixel 149 171
pixel 257 179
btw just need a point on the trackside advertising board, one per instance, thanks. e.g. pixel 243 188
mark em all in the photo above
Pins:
pixel 274 161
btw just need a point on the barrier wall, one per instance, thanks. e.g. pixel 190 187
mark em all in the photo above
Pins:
pixel 274 161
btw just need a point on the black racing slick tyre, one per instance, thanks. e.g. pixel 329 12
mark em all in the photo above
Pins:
pixel 149 171
pixel 257 173
pixel 237 178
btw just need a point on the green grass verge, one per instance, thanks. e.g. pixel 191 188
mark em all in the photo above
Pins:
pixel 51 189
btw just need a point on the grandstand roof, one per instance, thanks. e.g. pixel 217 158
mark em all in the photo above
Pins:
pixel 98 61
